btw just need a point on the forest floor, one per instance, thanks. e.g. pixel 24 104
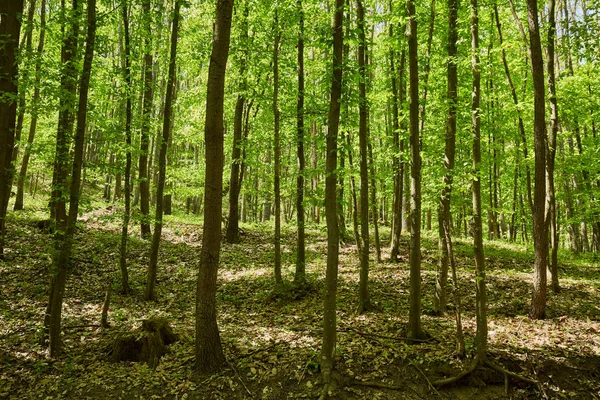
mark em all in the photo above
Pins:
pixel 271 337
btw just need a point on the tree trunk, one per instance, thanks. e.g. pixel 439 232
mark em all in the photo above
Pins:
pixel 397 160
pixel 277 151
pixel 540 229
pixel 449 152
pixel 148 97
pixel 233 232
pixel 415 331
pixel 34 111
pixel 551 150
pixel 364 301
pixel 64 237
pixel 209 352
pixel 481 296
pixel 25 59
pixel 331 275
pixel 60 189
pixel 300 275
pixel 127 211
pixel 10 28
pixel 162 160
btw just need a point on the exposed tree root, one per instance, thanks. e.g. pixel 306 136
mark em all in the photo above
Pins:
pixel 479 362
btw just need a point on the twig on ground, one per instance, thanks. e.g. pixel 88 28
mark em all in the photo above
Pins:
pixel 269 347
pixel 427 379
pixel 350 329
pixel 82 326
pixel 356 382
pixel 237 374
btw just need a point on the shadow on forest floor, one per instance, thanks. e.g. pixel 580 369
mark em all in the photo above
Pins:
pixel 272 337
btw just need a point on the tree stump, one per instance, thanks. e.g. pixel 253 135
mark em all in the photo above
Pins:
pixel 147 345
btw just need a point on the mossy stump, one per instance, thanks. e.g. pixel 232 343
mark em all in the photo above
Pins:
pixel 147 345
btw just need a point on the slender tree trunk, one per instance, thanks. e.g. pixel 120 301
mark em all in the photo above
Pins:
pixel 540 228
pixel 233 232
pixel 374 207
pixel 209 352
pixel 64 238
pixel 300 275
pixel 354 203
pixel 364 301
pixel 397 160
pixel 513 93
pixel 415 331
pixel 35 101
pixel 162 160
pixel 481 296
pixel 25 59
pixel 148 97
pixel 60 174
pixel 551 150
pixel 127 211
pixel 277 151
pixel 10 28
pixel 450 150
pixel 333 240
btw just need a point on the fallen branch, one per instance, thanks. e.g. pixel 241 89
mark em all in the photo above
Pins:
pixel 378 385
pixel 427 379
pixel 398 338
pixel 237 374
pixel 82 326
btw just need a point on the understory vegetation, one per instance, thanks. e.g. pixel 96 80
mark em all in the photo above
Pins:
pixel 271 337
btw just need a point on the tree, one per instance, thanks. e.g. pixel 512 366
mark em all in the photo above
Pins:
pixel 449 156
pixel 34 110
pixel 232 235
pixel 126 212
pixel 540 228
pixel 364 301
pixel 415 331
pixel 162 166
pixel 10 28
pixel 148 97
pixel 277 148
pixel 551 150
pixel 299 277
pixel 209 352
pixel 63 240
pixel 333 240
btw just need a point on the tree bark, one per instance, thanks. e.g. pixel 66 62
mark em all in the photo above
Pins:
pixel 34 111
pixel 148 97
pixel 64 237
pixel 277 151
pixel 540 228
pixel 127 211
pixel 449 152
pixel 162 159
pixel 415 331
pixel 300 275
pixel 209 352
pixel 481 296
pixel 10 28
pixel 62 161
pixel 364 300
pixel 551 150
pixel 331 275
pixel 232 235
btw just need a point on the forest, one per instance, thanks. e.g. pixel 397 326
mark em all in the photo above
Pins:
pixel 328 199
